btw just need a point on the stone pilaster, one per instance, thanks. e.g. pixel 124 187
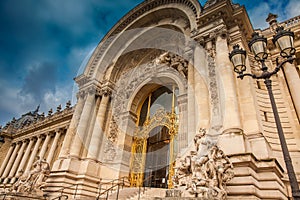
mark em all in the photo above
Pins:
pixel 26 155
pixel 4 164
pixel 17 162
pixel 80 135
pixel 293 81
pixel 232 118
pixel 71 132
pixel 191 127
pixel 10 162
pixel 201 113
pixel 53 146
pixel 98 131
pixel 34 153
pixel 44 147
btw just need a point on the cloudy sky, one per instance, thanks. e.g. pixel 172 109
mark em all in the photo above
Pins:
pixel 43 44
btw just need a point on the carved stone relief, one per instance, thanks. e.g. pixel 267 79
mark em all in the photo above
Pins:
pixel 34 181
pixel 205 172
pixel 109 150
pixel 130 80
pixel 213 88
pixel 175 62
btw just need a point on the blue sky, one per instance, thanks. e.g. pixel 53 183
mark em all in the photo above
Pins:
pixel 44 42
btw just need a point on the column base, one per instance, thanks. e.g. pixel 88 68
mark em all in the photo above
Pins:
pixel 13 180
pixel 6 180
pixel 232 141
pixel 256 178
pixel 77 177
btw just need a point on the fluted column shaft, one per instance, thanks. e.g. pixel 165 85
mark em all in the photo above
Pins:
pixel 53 146
pixel 11 161
pixel 232 119
pixel 4 164
pixel 97 134
pixel 17 161
pixel 82 125
pixel 26 154
pixel 33 153
pixel 293 80
pixel 44 147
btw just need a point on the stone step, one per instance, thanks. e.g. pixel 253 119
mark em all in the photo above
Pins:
pixel 125 193
pixel 21 196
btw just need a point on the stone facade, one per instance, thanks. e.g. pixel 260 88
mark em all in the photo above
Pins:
pixel 171 55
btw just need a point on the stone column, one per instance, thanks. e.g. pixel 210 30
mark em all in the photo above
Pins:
pixel 199 108
pixel 71 132
pixel 44 147
pixel 33 153
pixel 98 132
pixel 191 109
pixel 12 172
pixel 4 164
pixel 11 162
pixel 26 155
pixel 53 146
pixel 82 125
pixel 232 119
pixel 293 81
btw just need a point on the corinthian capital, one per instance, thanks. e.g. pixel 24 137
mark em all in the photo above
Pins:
pixel 107 89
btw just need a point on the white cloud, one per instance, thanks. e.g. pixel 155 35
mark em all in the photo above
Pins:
pixel 292 8
pixel 284 9
pixel 258 14
pixel 60 96
pixel 79 55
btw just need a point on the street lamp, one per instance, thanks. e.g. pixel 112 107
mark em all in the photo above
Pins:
pixel 258 45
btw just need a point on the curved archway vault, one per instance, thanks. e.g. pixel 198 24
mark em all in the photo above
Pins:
pixel 148 53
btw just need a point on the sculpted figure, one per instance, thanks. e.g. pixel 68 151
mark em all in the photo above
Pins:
pixel 199 139
pixel 18 186
pixel 222 165
pixel 164 58
pixel 173 61
pixel 183 172
pixel 35 179
pixel 42 175
pixel 205 173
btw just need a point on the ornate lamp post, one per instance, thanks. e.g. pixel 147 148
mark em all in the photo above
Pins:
pixel 284 40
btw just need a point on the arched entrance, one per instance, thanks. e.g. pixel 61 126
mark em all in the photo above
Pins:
pixel 152 153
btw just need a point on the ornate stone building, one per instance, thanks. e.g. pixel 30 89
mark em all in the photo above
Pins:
pixel 159 78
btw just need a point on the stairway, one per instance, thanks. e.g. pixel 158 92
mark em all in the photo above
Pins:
pixel 138 193
pixel 20 196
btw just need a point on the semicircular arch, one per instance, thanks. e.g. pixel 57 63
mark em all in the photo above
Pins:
pixel 102 57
